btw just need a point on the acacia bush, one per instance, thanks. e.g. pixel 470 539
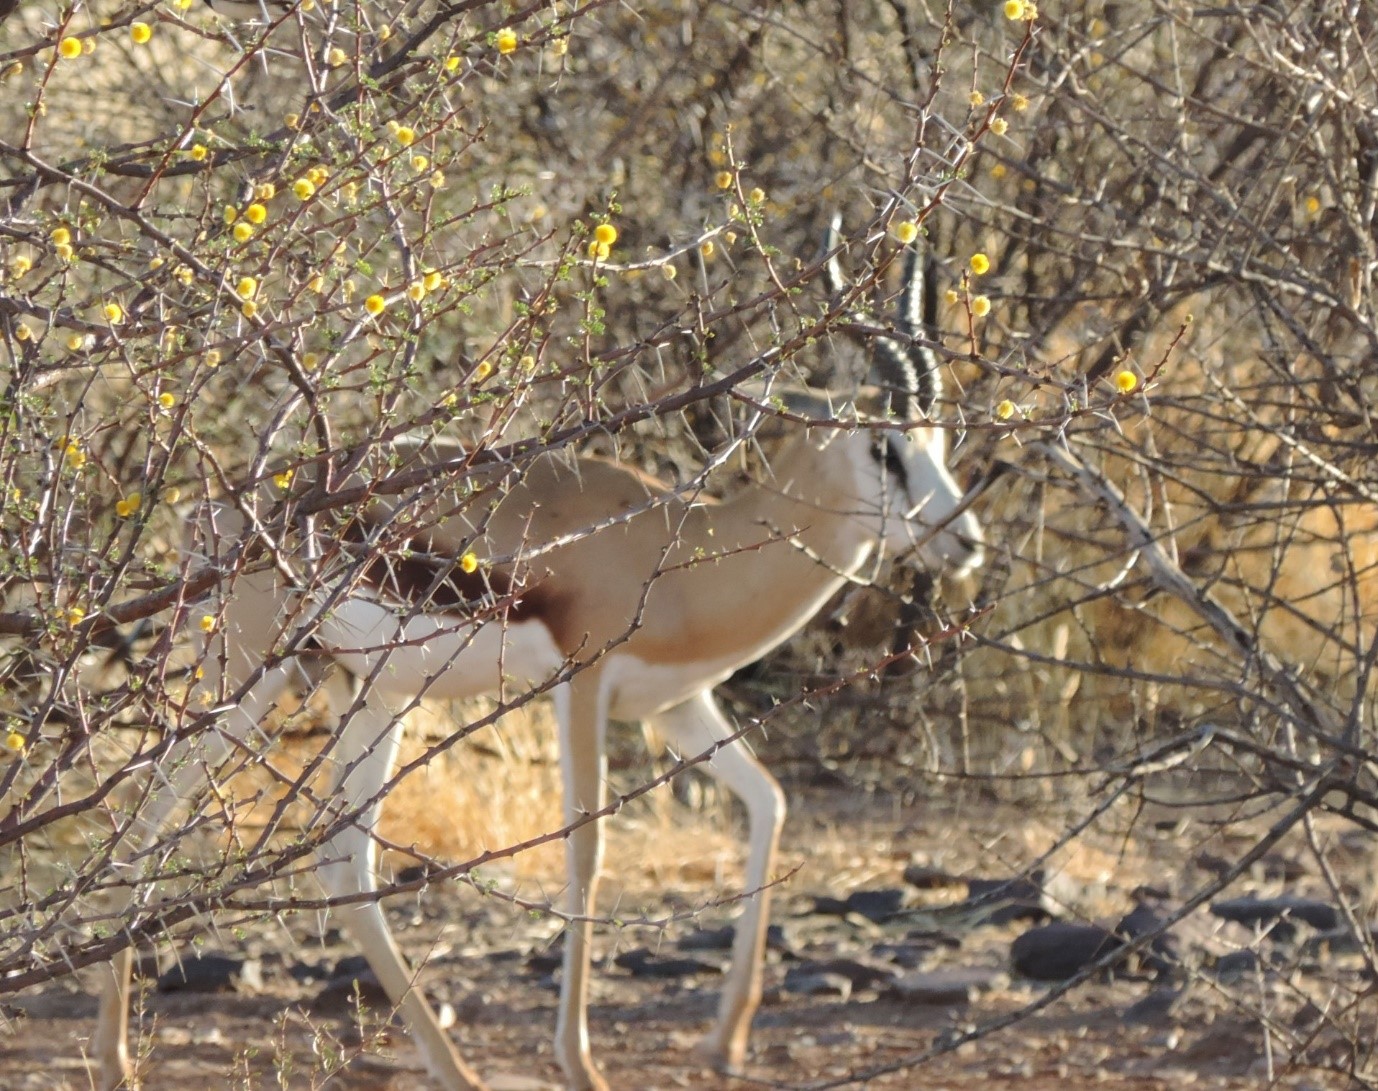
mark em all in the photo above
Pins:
pixel 238 260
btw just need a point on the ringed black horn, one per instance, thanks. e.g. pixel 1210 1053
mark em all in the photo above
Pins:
pixel 906 365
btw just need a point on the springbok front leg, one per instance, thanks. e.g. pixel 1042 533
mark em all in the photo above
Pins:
pixel 365 754
pixel 693 728
pixel 582 710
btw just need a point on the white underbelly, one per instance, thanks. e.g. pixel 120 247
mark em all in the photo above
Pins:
pixel 440 655
pixel 637 689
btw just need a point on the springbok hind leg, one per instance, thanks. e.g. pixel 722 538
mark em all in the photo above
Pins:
pixel 365 754
pixel 693 727
pixel 190 766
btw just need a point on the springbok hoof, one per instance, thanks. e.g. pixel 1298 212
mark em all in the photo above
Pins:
pixel 711 1053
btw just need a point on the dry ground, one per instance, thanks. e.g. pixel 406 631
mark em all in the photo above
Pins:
pixel 643 1029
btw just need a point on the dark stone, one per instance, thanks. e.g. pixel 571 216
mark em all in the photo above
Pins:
pixel 907 956
pixel 1236 964
pixel 1003 901
pixel 947 988
pixel 861 974
pixel 642 962
pixel 803 982
pixel 343 991
pixel 935 937
pixel 351 966
pixel 1144 920
pixel 709 939
pixel 307 972
pixel 877 905
pixel 212 973
pixel 545 962
pixel 827 906
pixel 925 877
pixel 721 939
pixel 1058 951
pixel 1158 1006
pixel 1281 912
pixel 415 873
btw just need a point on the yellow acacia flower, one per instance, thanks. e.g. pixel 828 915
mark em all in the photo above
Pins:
pixel 1126 381
pixel 506 41
pixel 757 196
pixel 452 63
pixel 668 271
pixel 416 291
pixel 405 135
pixel 242 232
pixel 1019 102
pixel 265 191
pixel 1014 9
pixel 605 234
pixel 482 372
pixel 432 279
pixel 141 33
pixel 723 179
pixel 906 231
pixel 75 616
pixel 336 57
pixel 999 126
pixel 69 48
pixel 599 250
pixel 72 452
pixel 171 495
pixel 128 505
pixel 20 265
pixel 113 312
pixel 246 287
pixel 304 189
pixel 976 98
pixel 15 741
pixel 706 248
pixel 230 215
pixel 207 623
pixel 256 213
pixel 468 563
pixel 61 236
pixel 980 306
pixel 375 304
pixel 980 264
pixel 283 478
pixel 167 400
pixel 1005 410
pixel 248 308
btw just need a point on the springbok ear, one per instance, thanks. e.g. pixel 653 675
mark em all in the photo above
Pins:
pixel 906 365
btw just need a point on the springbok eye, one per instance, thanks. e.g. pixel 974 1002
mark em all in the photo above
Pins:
pixel 885 450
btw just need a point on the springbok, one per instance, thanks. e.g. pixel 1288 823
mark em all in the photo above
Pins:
pixel 610 587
